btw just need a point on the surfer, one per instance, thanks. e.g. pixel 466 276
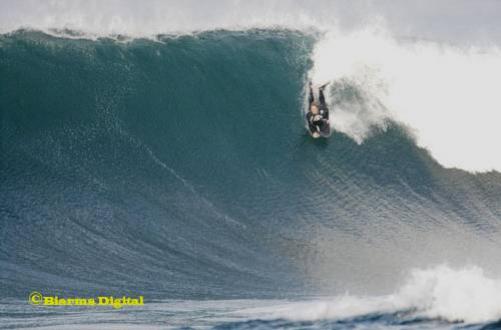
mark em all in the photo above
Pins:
pixel 318 113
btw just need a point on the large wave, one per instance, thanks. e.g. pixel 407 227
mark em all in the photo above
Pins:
pixel 444 92
pixel 179 167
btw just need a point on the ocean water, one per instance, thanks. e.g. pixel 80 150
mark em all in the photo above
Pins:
pixel 178 167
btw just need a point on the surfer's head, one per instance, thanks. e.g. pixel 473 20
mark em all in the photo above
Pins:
pixel 314 108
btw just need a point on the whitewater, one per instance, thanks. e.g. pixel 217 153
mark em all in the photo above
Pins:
pixel 160 149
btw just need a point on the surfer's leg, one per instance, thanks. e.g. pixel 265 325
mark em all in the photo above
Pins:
pixel 311 98
pixel 323 105
pixel 321 96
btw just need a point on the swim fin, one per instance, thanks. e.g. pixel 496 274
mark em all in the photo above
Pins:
pixel 324 85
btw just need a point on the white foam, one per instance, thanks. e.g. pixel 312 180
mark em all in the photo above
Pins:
pixel 453 294
pixel 464 295
pixel 448 96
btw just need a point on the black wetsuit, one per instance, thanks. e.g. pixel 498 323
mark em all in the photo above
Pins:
pixel 316 122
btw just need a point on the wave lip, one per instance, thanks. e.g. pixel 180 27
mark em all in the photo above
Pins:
pixel 136 19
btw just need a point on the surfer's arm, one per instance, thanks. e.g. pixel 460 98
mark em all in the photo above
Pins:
pixel 309 119
pixel 313 128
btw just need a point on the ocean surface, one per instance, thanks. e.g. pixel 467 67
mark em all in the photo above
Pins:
pixel 179 168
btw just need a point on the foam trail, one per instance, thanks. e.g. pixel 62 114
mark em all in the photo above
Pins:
pixel 447 95
pixel 456 295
